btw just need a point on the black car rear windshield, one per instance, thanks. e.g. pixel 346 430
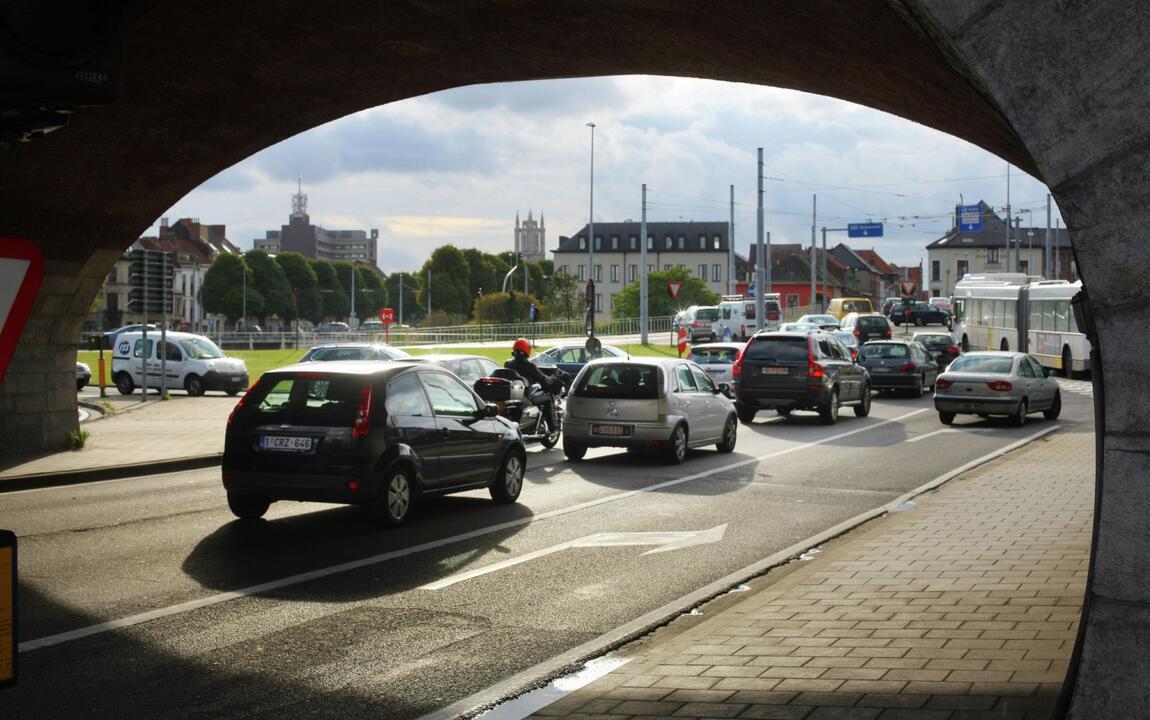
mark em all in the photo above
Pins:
pixel 306 399
pixel 624 381
pixel 778 349
pixel 872 323
pixel 872 351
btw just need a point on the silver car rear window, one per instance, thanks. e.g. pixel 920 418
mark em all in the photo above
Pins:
pixel 976 364
pixel 622 381
pixel 713 356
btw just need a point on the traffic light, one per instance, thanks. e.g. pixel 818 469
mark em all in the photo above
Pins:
pixel 150 273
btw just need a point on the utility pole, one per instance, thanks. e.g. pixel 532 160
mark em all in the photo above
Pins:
pixel 1017 244
pixel 591 214
pixel 400 298
pixel 823 304
pixel 731 247
pixel 1046 265
pixel 760 276
pixel 814 249
pixel 643 308
pixel 244 271
pixel 1007 260
pixel 351 320
pixel 1058 251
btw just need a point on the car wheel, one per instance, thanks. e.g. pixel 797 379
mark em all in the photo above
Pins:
pixel 863 408
pixel 919 322
pixel 919 387
pixel 194 385
pixel 746 413
pixel 677 446
pixel 1056 408
pixel 946 418
pixel 1018 419
pixel 509 481
pixel 124 384
pixel 730 435
pixel 550 438
pixel 248 507
pixel 829 412
pixel 80 385
pixel 396 497
pixel 232 392
pixel 574 451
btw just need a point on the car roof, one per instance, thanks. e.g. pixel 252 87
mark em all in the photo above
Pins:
pixel 347 345
pixel 721 345
pixel 171 335
pixel 994 353
pixel 655 361
pixel 344 367
pixel 441 358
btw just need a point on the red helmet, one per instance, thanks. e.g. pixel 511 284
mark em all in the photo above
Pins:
pixel 522 345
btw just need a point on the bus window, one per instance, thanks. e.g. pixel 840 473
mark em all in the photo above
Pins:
pixel 959 307
pixel 1036 314
pixel 1009 313
pixel 1071 322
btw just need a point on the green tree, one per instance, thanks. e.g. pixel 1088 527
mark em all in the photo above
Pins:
pixel 484 272
pixel 336 303
pixel 272 284
pixel 450 284
pixel 223 288
pixel 506 307
pixel 563 296
pixel 304 284
pixel 370 292
pixel 412 312
pixel 659 302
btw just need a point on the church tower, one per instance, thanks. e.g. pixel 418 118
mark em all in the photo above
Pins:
pixel 531 238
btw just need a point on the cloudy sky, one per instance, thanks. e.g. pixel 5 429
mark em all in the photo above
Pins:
pixel 455 167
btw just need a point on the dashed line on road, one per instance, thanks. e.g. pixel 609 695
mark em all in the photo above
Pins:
pixel 180 608
pixel 931 434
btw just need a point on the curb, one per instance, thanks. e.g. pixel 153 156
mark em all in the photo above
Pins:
pixel 538 675
pixel 37 481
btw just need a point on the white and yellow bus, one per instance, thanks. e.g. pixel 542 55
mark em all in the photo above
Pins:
pixel 1012 311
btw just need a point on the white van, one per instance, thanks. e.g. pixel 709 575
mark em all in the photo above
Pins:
pixel 737 316
pixel 192 362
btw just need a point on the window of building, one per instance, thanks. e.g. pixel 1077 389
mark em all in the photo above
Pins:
pixel 668 242
pixel 682 242
pixel 992 256
pixel 718 242
pixel 702 242
pixel 792 300
pixel 599 302
pixel 650 269
pixel 717 272
pixel 631 272
pixel 598 242
pixel 614 273
pixel 112 276
pixel 1024 267
pixel 935 270
pixel 598 273
pixel 650 242
pixel 582 273
pixel 611 300
pixel 963 268
pixel 614 242
pixel 565 269
pixel 634 242
pixel 582 242
pixel 667 266
pixel 703 272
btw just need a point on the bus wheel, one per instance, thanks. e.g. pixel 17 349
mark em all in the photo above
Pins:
pixel 1067 363
pixel 1004 346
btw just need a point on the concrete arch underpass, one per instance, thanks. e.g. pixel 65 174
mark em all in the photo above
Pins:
pixel 1059 89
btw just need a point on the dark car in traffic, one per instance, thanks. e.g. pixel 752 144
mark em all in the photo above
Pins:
pixel 366 433
pixel 899 365
pixel 799 371
pixel 921 313
pixel 941 347
pixel 866 326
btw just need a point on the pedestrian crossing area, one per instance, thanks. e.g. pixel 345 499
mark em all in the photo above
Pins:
pixel 1080 387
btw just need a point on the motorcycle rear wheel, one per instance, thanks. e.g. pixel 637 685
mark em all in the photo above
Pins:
pixel 550 437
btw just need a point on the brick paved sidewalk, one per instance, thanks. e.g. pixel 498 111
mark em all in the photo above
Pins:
pixel 965 606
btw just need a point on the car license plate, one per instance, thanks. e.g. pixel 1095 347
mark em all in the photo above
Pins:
pixel 775 371
pixel 881 369
pixel 966 406
pixel 286 443
pixel 610 430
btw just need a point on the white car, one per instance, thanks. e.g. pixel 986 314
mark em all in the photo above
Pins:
pixel 83 375
pixel 190 361
pixel 661 404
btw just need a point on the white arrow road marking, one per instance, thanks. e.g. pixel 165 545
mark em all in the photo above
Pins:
pixel 664 541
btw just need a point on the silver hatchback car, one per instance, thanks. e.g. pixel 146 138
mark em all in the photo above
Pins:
pixel 996 383
pixel 663 404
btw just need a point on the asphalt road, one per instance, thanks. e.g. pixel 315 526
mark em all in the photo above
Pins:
pixel 145 598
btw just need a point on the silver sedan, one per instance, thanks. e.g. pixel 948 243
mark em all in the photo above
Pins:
pixel 658 403
pixel 996 383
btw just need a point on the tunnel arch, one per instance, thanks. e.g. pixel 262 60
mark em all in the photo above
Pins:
pixel 1058 90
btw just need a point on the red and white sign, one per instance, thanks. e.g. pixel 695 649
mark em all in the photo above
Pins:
pixel 673 287
pixel 387 316
pixel 907 287
pixel 21 272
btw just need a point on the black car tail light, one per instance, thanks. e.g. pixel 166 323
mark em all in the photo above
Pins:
pixel 362 424
pixel 909 367
pixel 240 403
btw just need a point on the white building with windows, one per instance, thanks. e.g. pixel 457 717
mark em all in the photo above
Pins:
pixel 700 247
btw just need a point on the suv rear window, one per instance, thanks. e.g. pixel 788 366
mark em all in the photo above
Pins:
pixel 872 323
pixel 306 399
pixel 624 381
pixel 778 349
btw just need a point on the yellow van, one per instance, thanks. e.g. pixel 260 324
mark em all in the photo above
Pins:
pixel 840 307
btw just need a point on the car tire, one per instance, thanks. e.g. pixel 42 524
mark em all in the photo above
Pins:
pixel 1018 419
pixel 1055 408
pixel 574 451
pixel 746 413
pixel 248 507
pixel 677 445
pixel 232 392
pixel 730 435
pixel 396 497
pixel 863 408
pixel 919 388
pixel 509 480
pixel 919 322
pixel 80 385
pixel 194 385
pixel 829 411
pixel 946 418
pixel 124 384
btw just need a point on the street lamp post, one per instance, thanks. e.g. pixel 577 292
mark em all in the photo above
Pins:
pixel 244 272
pixel 351 320
pixel 591 218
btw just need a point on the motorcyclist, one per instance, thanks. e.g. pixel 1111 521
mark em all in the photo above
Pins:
pixel 519 362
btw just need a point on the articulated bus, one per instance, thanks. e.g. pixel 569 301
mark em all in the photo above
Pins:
pixel 1012 311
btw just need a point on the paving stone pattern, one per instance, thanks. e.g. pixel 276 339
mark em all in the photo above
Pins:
pixel 964 607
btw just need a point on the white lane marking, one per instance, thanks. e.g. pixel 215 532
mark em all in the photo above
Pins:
pixel 663 540
pixel 210 600
pixel 931 434
pixel 643 624
pixel 559 688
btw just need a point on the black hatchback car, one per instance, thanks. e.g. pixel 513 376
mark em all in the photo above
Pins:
pixel 798 371
pixel 366 433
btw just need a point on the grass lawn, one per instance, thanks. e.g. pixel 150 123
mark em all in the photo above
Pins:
pixel 260 361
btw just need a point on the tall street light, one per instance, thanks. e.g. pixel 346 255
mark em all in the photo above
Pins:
pixel 591 215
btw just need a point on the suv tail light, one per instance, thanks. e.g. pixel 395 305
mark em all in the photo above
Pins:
pixel 952 349
pixel 858 332
pixel 737 367
pixel 240 403
pixel 1000 386
pixel 943 384
pixel 909 367
pixel 814 369
pixel 362 424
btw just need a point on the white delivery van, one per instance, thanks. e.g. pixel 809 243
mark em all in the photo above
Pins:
pixel 737 316
pixel 192 362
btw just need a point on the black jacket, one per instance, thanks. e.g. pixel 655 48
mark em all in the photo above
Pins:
pixel 529 372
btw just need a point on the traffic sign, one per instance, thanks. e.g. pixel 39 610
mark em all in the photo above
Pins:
pixel 386 316
pixel 857 230
pixel 907 287
pixel 673 287
pixel 21 272
pixel 970 218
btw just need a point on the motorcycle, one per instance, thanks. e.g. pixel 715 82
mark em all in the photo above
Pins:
pixel 524 405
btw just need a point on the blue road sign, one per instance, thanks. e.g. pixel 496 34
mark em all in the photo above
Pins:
pixel 970 218
pixel 864 230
